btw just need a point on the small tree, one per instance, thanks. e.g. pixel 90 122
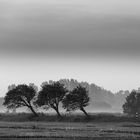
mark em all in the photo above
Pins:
pixel 77 99
pixel 132 104
pixel 20 96
pixel 51 95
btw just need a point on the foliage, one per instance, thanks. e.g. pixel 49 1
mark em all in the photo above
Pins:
pixel 51 95
pixel 20 96
pixel 77 99
pixel 132 104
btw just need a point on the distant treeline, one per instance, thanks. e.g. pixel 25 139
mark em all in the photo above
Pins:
pixel 52 94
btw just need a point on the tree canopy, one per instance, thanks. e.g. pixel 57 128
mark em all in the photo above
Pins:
pixel 20 96
pixel 77 99
pixel 132 104
pixel 51 95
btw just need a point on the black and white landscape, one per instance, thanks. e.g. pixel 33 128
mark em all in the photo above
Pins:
pixel 69 69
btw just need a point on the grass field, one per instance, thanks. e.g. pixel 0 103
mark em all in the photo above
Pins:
pixel 64 130
pixel 45 127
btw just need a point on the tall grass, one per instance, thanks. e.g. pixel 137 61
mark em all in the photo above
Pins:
pixel 103 117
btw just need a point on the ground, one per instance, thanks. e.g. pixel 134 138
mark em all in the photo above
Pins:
pixel 70 130
pixel 100 126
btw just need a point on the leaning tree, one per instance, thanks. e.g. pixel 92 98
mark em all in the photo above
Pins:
pixel 51 96
pixel 132 104
pixel 77 99
pixel 21 96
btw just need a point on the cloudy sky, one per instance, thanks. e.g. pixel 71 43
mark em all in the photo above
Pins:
pixel 97 41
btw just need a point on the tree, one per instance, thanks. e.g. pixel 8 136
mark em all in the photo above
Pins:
pixel 77 99
pixel 132 104
pixel 51 95
pixel 20 96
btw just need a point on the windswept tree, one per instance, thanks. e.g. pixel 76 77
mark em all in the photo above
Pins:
pixel 20 96
pixel 77 99
pixel 132 104
pixel 51 95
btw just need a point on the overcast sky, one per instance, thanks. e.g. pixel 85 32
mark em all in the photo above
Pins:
pixel 97 41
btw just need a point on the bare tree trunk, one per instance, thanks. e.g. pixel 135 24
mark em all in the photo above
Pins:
pixel 33 111
pixel 86 114
pixel 57 111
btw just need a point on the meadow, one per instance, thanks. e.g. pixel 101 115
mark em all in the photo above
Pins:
pixel 63 130
pixel 98 127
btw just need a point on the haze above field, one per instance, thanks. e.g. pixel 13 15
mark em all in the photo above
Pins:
pixel 88 40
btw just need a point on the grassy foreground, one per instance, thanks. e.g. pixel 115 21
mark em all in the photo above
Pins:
pixel 99 127
pixel 65 130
